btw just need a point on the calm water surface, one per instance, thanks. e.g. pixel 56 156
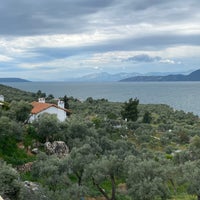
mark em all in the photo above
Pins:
pixel 180 95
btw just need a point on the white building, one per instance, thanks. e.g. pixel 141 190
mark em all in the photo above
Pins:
pixel 1 98
pixel 1 102
pixel 41 107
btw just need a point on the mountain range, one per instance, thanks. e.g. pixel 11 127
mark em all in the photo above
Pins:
pixel 194 76
pixel 107 77
pixel 127 77
pixel 103 77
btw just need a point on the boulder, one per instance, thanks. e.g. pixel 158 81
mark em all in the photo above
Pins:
pixel 59 148
pixel 35 151
pixel 31 186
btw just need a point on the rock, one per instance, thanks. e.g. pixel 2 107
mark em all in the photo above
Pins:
pixel 4 198
pixel 33 190
pixel 59 148
pixel 48 148
pixel 31 186
pixel 25 167
pixel 35 151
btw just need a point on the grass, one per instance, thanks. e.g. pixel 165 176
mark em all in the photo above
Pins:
pixel 183 197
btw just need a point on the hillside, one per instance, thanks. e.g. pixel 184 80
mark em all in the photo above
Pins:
pixel 5 80
pixel 194 76
pixel 106 154
pixel 10 94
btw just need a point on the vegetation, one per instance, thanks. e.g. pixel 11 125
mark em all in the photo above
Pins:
pixel 11 94
pixel 153 155
pixel 130 111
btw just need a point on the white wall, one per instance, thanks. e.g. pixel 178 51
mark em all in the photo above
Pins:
pixel 61 114
pixel 2 98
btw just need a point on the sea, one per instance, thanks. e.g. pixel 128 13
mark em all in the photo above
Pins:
pixel 179 95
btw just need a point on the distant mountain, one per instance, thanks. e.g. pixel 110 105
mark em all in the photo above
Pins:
pixel 104 77
pixel 166 73
pixel 6 80
pixel 194 76
pixel 107 77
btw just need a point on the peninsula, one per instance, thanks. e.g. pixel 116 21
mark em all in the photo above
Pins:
pixel 6 80
pixel 194 76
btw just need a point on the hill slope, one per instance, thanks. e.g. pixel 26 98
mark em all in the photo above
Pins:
pixel 194 76
pixel 10 94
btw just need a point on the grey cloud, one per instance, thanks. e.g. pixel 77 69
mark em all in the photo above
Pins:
pixel 8 67
pixel 138 5
pixel 155 42
pixel 142 58
pixel 153 12
pixel 58 53
pixel 33 17
pixel 48 16
pixel 144 4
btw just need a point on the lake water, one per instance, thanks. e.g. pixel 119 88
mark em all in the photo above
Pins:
pixel 180 95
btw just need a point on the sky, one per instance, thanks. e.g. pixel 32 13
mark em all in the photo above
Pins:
pixel 60 39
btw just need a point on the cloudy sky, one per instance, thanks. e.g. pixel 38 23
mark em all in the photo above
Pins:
pixel 59 39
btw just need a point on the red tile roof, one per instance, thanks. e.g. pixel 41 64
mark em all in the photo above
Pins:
pixel 39 107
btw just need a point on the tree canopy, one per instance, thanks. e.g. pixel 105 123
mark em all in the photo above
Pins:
pixel 130 110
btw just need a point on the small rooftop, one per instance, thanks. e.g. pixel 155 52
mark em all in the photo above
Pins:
pixel 40 106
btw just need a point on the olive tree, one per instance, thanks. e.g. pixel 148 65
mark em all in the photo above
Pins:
pixel 47 125
pixel 10 132
pixel 9 182
pixel 20 111
pixel 74 191
pixel 191 173
pixel 146 180
pixel 78 160
pixel 47 169
pixel 38 193
pixel 105 169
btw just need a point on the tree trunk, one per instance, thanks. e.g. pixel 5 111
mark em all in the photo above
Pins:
pixel 79 178
pixel 101 190
pixel 198 197
pixel 113 187
pixel 173 184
